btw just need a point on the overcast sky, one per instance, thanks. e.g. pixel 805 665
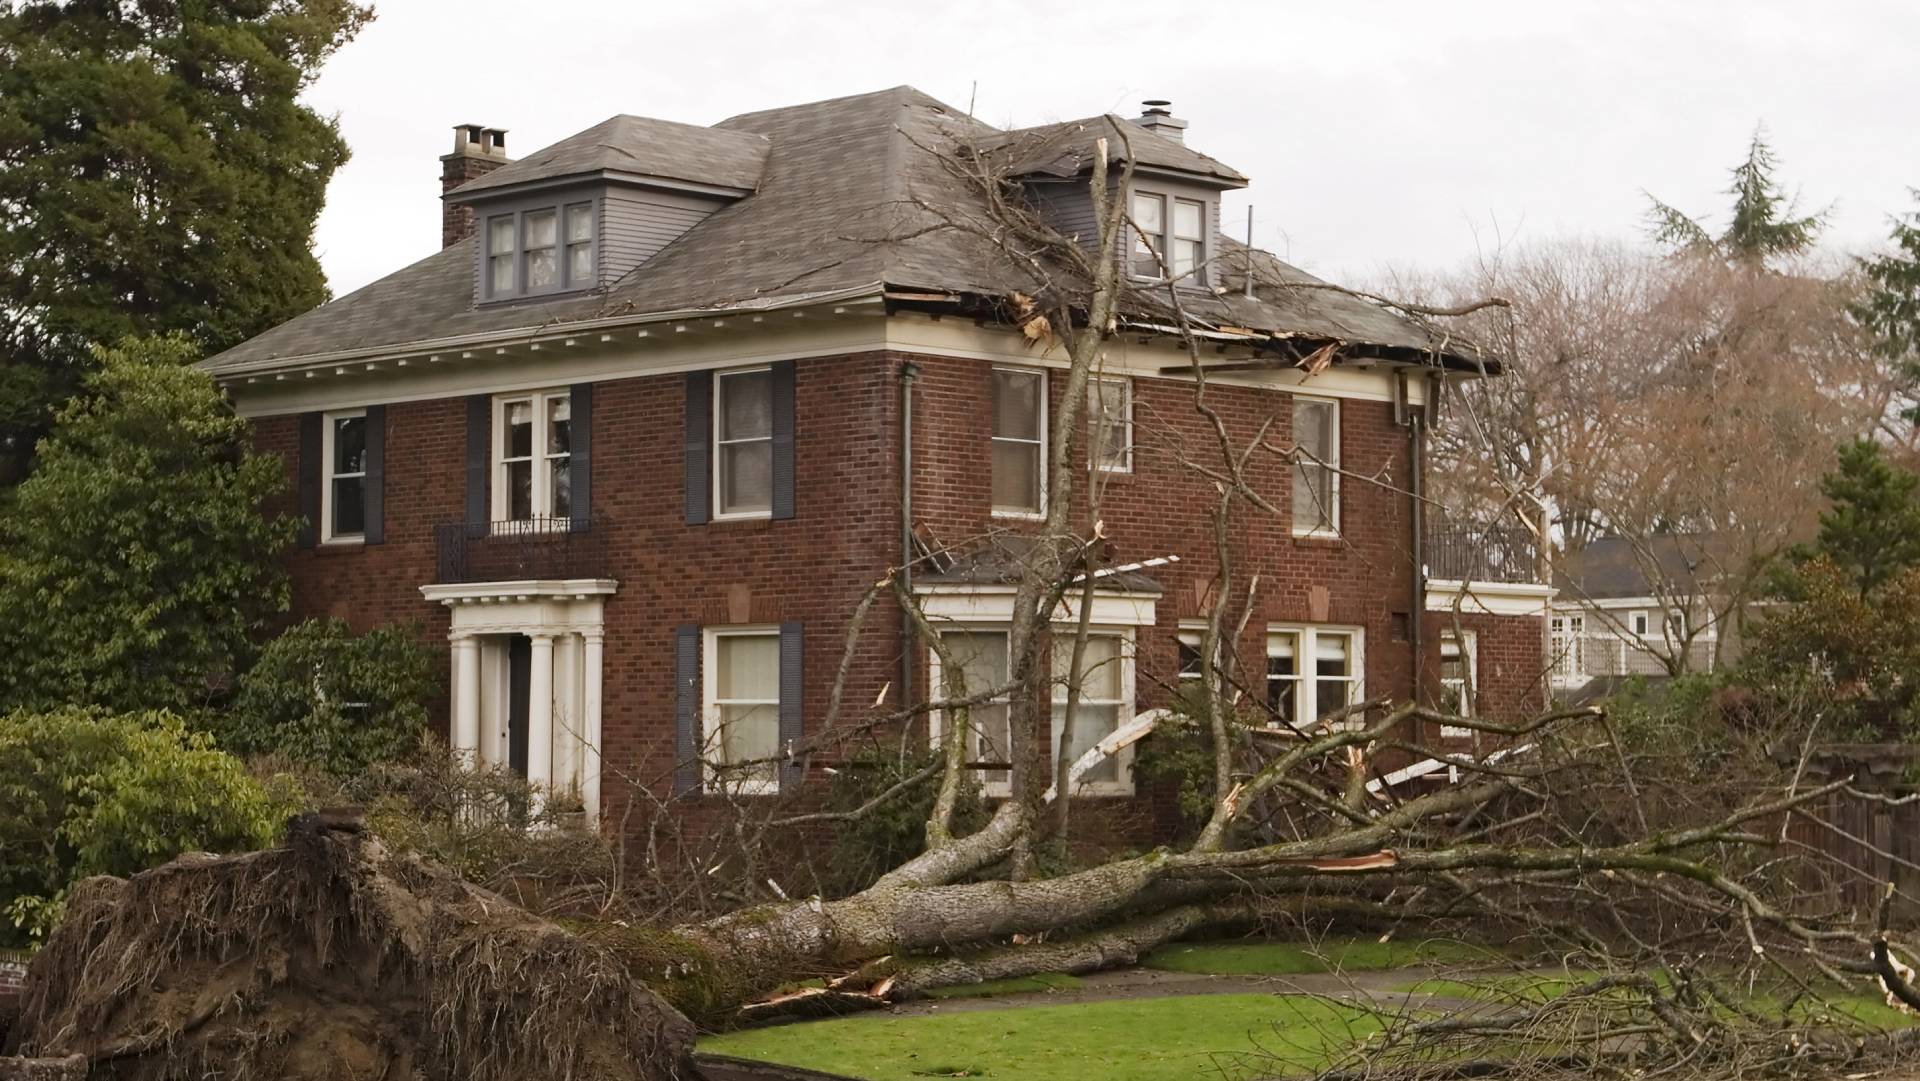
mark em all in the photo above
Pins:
pixel 1411 133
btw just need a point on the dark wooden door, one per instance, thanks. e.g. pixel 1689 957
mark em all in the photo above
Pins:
pixel 519 669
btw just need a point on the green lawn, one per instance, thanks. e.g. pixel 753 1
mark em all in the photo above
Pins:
pixel 1130 1040
pixel 1250 958
pixel 1862 1008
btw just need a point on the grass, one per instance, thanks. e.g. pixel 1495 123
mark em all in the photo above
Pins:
pixel 1024 985
pixel 1121 1040
pixel 1521 987
pixel 1296 958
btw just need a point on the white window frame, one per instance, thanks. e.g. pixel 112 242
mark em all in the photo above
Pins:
pixel 994 783
pixel 1123 707
pixel 1163 257
pixel 1197 275
pixel 720 513
pixel 540 492
pixel 1306 690
pixel 714 779
pixel 1332 467
pixel 1566 638
pixel 1637 623
pixel 1045 413
pixel 1465 645
pixel 328 476
pixel 1094 415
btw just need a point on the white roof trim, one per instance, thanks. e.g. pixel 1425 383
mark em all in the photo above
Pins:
pixel 994 604
pixel 1489 598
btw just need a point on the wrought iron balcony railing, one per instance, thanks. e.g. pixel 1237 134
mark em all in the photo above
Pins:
pixel 1483 555
pixel 529 548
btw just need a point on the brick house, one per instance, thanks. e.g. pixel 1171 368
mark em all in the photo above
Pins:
pixel 671 398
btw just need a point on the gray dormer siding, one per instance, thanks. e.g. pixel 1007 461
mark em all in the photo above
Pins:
pixel 636 223
pixel 1067 206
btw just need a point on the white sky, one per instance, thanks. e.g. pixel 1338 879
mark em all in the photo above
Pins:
pixel 1409 133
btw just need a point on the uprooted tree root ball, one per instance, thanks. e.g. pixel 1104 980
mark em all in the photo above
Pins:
pixel 332 958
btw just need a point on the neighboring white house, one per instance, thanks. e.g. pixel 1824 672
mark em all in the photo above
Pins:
pixel 1626 608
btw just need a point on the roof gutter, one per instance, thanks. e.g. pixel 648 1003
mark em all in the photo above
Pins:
pixel 544 332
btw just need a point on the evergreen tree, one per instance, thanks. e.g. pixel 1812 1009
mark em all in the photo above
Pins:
pixel 1763 223
pixel 136 565
pixel 157 175
pixel 1890 308
pixel 1871 533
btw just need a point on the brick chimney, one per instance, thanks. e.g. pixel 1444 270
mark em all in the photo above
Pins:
pixel 477 151
pixel 1159 119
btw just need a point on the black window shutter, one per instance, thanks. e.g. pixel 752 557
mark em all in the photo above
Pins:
pixel 309 469
pixel 580 466
pixel 479 425
pixel 792 692
pixel 699 446
pixel 686 709
pixel 374 498
pixel 783 439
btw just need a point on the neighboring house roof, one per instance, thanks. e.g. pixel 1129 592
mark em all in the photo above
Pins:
pixel 640 146
pixel 1614 567
pixel 1066 149
pixel 850 200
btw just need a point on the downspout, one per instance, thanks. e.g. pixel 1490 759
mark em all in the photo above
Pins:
pixel 909 371
pixel 1417 448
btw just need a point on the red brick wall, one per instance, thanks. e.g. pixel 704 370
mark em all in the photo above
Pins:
pixel 815 567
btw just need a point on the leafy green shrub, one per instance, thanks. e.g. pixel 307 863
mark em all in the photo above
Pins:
pixel 867 847
pixel 322 695
pixel 1863 646
pixel 135 563
pixel 85 792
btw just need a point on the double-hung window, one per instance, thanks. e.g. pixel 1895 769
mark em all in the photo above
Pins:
pixel 1110 423
pixel 1459 680
pixel 1149 214
pixel 1316 467
pixel 743 443
pixel 1019 441
pixel 343 512
pixel 1311 672
pixel 742 729
pixel 1189 240
pixel 1106 700
pixel 542 249
pixel 532 457
pixel 1568 643
pixel 982 659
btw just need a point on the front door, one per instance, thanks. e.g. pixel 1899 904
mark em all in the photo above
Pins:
pixel 519 669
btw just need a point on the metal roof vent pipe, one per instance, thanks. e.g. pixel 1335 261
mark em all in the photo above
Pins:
pixel 1159 119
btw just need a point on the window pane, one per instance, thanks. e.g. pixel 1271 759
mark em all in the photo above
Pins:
pixel 1331 649
pixel 560 487
pixel 579 223
pixel 1147 210
pixel 1099 666
pixel 1313 428
pixel 520 491
pixel 501 269
pixel 746 477
pixel 747 733
pixel 349 506
pixel 746 405
pixel 1186 219
pixel 1186 256
pixel 991 736
pixel 500 236
pixel 1016 405
pixel 559 425
pixel 579 263
pixel 350 445
pixel 982 657
pixel 519 429
pixel 1330 694
pixel 749 667
pixel 541 268
pixel 1108 405
pixel 1091 724
pixel 1312 498
pixel 1016 477
pixel 540 229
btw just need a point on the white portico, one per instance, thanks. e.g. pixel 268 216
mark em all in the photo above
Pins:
pixel 526 689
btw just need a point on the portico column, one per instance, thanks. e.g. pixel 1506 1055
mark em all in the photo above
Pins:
pixel 540 711
pixel 590 728
pixel 466 696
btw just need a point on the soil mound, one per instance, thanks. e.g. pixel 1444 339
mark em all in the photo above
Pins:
pixel 333 958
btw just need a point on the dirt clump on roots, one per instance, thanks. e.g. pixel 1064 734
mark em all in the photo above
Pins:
pixel 331 958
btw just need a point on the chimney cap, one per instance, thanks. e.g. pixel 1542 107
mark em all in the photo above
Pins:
pixel 1157 106
pixel 479 140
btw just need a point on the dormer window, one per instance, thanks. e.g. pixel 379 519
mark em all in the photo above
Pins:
pixel 1156 249
pixel 540 249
